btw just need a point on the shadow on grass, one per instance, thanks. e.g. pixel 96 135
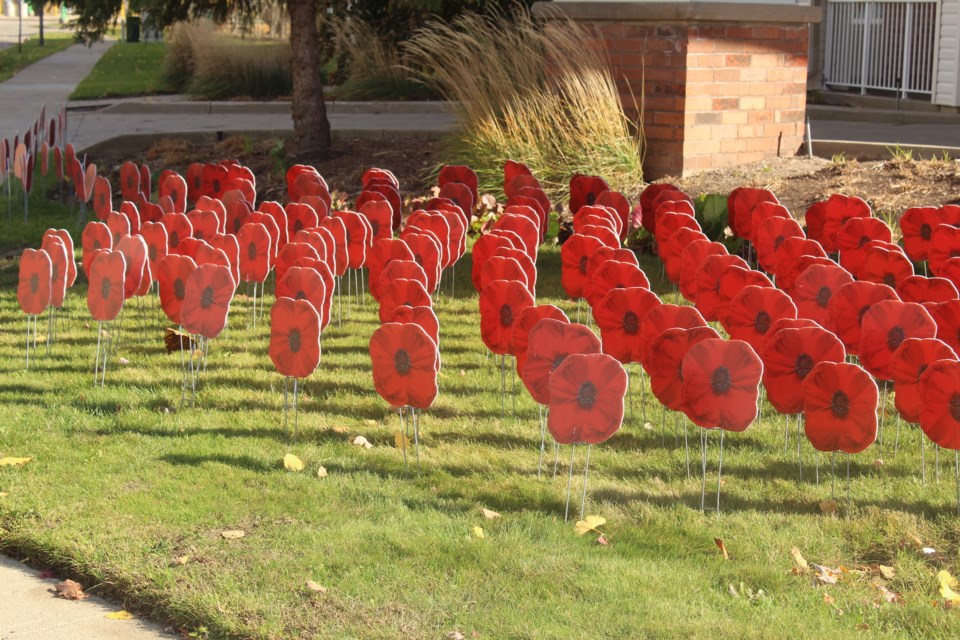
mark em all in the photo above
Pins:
pixel 244 462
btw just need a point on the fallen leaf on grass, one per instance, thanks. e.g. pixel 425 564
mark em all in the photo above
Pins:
pixel 339 429
pixel 888 596
pixel 70 590
pixel 886 572
pixel 123 361
pixel 722 547
pixel 947 584
pixel 454 635
pixel 648 426
pixel 826 575
pixel 14 462
pixel 878 463
pixel 590 523
pixel 322 472
pixel 371 423
pixel 233 534
pixel 489 515
pixel 292 463
pixel 928 551
pixel 828 599
pixel 602 540
pixel 179 561
pixel 3 494
pixel 360 441
pixel 828 507
pixel 799 560
pixel 119 615
pixel 478 531
pixel 401 441
pixel 316 586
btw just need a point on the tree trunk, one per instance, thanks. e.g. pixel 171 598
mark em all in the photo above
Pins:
pixel 42 4
pixel 310 124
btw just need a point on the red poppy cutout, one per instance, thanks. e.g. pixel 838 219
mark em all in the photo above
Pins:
pixel 597 215
pixel 134 250
pixel 921 289
pixel 853 237
pixel 458 233
pixel 885 267
pixel 294 337
pixel 67 240
pixel 405 365
pixel 690 260
pixel 707 282
pixel 206 301
pixel 460 194
pixel 619 203
pixel 838 209
pixel 752 311
pixel 947 316
pixel 34 287
pixel 379 214
pixel 423 317
pixel 586 399
pixel 814 288
pixel 660 318
pixel 669 223
pixel 647 198
pixel 304 283
pixel 178 228
pixel 618 316
pixel 721 384
pixel 944 245
pixel 375 173
pixel 666 358
pixel 55 248
pixel 574 254
pixel 907 364
pixel 102 197
pixel 815 218
pixel 917 225
pixel 427 253
pixel 525 228
pixel 228 244
pixel 740 204
pixel 528 318
pixel 940 403
pixel 401 269
pixel 788 259
pixel 486 246
pixel 358 237
pixel 734 280
pixel 550 343
pixel 119 226
pixel 292 252
pixel 585 189
pixel 461 174
pixel 501 303
pixel 255 252
pixel 381 253
pixel 613 274
pixel 673 249
pixel 402 292
pixel 769 235
pixel 840 407
pixel 129 181
pixel 501 268
pixel 278 218
pixel 848 305
pixel 788 357
pixel 105 295
pixel 155 235
pixel 174 187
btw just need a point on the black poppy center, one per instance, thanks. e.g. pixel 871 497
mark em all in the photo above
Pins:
pixel 300 295
pixel 762 322
pixel 840 405
pixel 216 186
pixel 96 244
pixel 591 198
pixel 803 365
pixel 105 288
pixel 823 297
pixel 506 316
pixel 720 381
pixel 401 362
pixel 920 371
pixel 955 407
pixel 894 337
pixel 925 231
pixel 587 395
pixel 862 311
pixel 294 340
pixel 583 265
pixel 777 241
pixel 631 323
pixel 55 273
pixel 375 227
pixel 557 361
pixel 206 298
pixel 297 225
pixel 252 251
pixel 174 239
pixel 34 283
pixel 890 280
pixel 864 240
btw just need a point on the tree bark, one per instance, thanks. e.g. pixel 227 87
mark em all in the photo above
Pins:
pixel 310 124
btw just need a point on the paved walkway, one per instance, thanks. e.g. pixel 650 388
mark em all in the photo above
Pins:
pixel 30 611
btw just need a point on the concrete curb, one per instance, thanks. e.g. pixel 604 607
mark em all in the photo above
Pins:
pixel 868 114
pixel 877 150
pixel 280 107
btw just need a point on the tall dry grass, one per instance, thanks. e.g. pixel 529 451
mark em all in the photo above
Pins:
pixel 543 97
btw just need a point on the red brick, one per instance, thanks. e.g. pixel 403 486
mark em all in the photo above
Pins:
pixel 738 60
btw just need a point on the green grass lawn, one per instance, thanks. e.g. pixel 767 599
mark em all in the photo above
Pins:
pixel 13 61
pixel 130 495
pixel 126 69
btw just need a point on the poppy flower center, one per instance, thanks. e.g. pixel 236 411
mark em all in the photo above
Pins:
pixel 803 365
pixel 557 361
pixel 840 405
pixel 294 340
pixel 890 280
pixel 920 371
pixel 174 239
pixel 720 381
pixel 178 288
pixel 587 395
pixel 862 311
pixel 777 241
pixel 298 225
pixel 864 240
pixel 506 316
pixel 34 283
pixel 631 323
pixel 925 231
pixel 206 298
pixel 591 198
pixel 401 362
pixel 823 297
pixel 894 337
pixel 105 288
pixel 762 322
pixel 198 234
pixel 955 407
pixel 96 244
pixel 252 251
pixel 216 186
pixel 375 227
pixel 583 265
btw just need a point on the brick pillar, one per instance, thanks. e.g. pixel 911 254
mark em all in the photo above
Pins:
pixel 719 84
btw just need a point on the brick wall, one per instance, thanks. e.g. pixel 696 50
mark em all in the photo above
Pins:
pixel 715 91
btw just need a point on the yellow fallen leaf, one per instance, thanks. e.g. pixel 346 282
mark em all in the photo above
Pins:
pixel 590 523
pixel 322 472
pixel 947 584
pixel 489 515
pixel 3 494
pixel 292 463
pixel 478 531
pixel 71 590
pixel 887 572
pixel 360 441
pixel 14 462
pixel 371 423
pixel 799 559
pixel 233 534
pixel 316 586
pixel 722 547
pixel 119 615
pixel 401 441
pixel 179 561
pixel 339 429
pixel 648 426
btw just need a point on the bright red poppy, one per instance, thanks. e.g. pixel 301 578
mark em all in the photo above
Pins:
pixel 405 365
pixel 71 265
pixel 205 223
pixel 788 259
pixel 907 364
pixel 460 194
pixel 102 197
pixel 740 204
pixel 947 316
pixel 813 289
pixel 734 280
pixel 535 198
pixel 752 311
pixel 885 267
pixel 921 289
pixel 691 258
pixel 721 384
pixel 129 181
pixel 586 399
pixel 502 268
pixel 647 197
pixel 382 252
pixel 763 211
pixel 788 357
pixel 613 274
pixel 458 233
pixel 423 317
pixel 255 253
pixel 461 174
pixel 228 244
pixel 300 216
pixel 174 186
pixel 706 282
pixel 840 407
pixel 814 219
pixel 669 201
pixel 402 292
pixel 178 228
pixel 847 306
pixel 359 237
pixel 118 224
pixel 294 337
pixel 375 173
pixel 34 290
pixel 513 169
pixel 501 303
pixel 215 206
pixel 673 249
pixel 96 235
pixel 105 295
pixel 917 225
pixel 574 254
pixel 668 223
pixel 838 209
pixel 172 274
pixel 528 318
pixel 944 244
pixel 206 301
pixel 292 252
pixel 853 237
pixel 666 357
pixel 329 284
pixel 427 253
pixel 55 248
pixel 549 343
pixel 658 319
pixel 277 218
pixel 597 215
pixel 134 250
pixel 155 235
pixel 485 246
pixel 379 214
pixel 768 236
pixel 619 203
pixel 618 315
pixel 584 190
pixel 528 231
pixel 940 403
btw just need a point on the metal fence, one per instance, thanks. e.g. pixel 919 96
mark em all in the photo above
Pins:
pixel 881 45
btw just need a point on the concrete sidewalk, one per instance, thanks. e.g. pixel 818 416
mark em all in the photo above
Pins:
pixel 29 610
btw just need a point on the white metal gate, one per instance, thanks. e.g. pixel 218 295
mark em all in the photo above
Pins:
pixel 881 44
